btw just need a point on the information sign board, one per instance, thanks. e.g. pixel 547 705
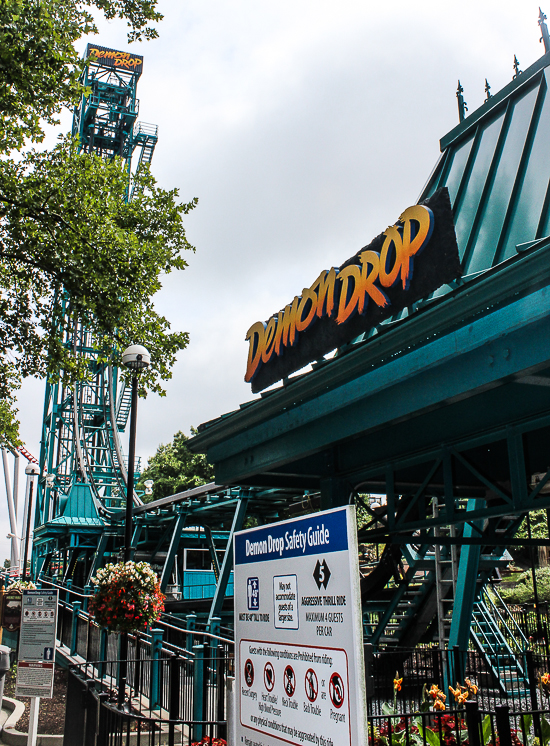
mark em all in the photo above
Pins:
pixel 298 633
pixel 11 610
pixel 36 664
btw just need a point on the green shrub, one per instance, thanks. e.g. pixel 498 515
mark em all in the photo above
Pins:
pixel 522 592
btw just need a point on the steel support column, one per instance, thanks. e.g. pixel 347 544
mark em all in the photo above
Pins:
pixel 466 585
pixel 172 550
pixel 227 564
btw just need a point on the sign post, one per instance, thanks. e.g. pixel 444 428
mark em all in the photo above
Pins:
pixel 36 660
pixel 300 675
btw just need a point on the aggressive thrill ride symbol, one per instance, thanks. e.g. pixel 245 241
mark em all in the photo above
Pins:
pixel 321 574
pixel 290 681
pixel 336 690
pixel 312 685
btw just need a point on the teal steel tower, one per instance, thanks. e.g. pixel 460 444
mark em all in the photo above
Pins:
pixel 84 474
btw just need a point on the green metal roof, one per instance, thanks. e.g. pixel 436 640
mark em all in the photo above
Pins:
pixel 496 165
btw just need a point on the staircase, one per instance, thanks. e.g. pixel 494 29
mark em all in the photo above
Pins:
pixel 123 406
pixel 145 137
pixel 501 643
pixel 414 595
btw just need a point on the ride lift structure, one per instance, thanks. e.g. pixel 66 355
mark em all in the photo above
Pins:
pixel 443 411
pixel 82 490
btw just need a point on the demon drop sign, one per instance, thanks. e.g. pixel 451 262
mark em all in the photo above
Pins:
pixel 299 645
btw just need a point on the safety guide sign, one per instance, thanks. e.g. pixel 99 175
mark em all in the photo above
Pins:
pixel 299 644
pixel 36 664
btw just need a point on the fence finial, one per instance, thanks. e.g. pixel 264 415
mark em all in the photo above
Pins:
pixel 462 105
pixel 544 31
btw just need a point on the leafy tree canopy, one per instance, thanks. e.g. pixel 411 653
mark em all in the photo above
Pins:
pixel 174 469
pixel 72 249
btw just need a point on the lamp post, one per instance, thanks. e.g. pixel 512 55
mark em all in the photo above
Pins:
pixel 136 358
pixel 31 471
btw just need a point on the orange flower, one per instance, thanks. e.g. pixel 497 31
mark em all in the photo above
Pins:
pixel 472 688
pixel 397 682
pixel 439 704
pixel 544 682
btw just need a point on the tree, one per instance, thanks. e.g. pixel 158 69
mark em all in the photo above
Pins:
pixel 174 469
pixel 525 555
pixel 72 249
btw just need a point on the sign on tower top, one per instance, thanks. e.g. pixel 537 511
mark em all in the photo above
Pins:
pixel 115 58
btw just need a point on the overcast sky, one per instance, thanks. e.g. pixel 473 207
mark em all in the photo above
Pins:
pixel 304 128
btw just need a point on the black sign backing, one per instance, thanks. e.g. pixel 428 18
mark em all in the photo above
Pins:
pixel 115 58
pixel 407 262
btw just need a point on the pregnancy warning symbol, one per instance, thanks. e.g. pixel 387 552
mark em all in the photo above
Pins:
pixel 290 681
pixel 312 685
pixel 269 676
pixel 336 690
pixel 249 672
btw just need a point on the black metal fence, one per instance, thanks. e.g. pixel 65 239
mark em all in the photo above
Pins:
pixel 513 682
pixel 93 717
pixel 184 696
pixel 468 726
pixel 534 622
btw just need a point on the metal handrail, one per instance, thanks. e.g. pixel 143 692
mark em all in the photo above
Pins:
pixel 509 616
pixel 196 632
pixel 43 579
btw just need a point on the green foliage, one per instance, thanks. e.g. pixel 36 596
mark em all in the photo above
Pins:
pixel 72 249
pixel 523 593
pixel 9 427
pixel 539 526
pixel 362 515
pixel 66 224
pixel 174 469
pixel 487 731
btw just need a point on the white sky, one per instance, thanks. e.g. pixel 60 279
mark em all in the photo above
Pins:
pixel 304 128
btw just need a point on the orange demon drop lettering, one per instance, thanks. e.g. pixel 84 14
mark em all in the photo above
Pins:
pixel 324 285
pixel 121 59
pixel 307 303
pixel 388 277
pixel 286 327
pixel 362 281
pixel 255 337
pixel 269 339
pixel 371 259
pixel 350 292
pixel 418 225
